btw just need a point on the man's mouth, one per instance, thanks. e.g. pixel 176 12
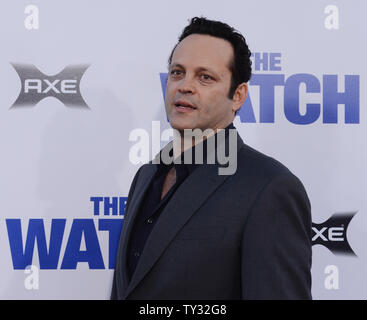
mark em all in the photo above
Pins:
pixel 183 105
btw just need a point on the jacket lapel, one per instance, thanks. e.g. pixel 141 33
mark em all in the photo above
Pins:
pixel 143 182
pixel 196 188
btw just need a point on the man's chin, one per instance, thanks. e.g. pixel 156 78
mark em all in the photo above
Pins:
pixel 181 125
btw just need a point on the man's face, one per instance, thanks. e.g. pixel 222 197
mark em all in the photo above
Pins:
pixel 198 83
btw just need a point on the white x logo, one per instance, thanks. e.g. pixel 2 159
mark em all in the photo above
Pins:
pixel 319 234
pixel 51 86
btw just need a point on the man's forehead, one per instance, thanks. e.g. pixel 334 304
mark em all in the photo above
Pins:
pixel 203 50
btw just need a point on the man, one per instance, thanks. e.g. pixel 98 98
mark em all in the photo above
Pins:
pixel 192 233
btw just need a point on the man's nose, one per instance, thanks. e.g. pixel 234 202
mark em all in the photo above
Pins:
pixel 186 85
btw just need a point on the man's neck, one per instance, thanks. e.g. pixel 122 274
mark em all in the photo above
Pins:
pixel 183 141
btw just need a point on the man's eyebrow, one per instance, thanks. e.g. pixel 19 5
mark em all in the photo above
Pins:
pixel 205 69
pixel 198 69
pixel 176 65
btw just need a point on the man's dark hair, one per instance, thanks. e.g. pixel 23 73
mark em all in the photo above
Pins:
pixel 240 65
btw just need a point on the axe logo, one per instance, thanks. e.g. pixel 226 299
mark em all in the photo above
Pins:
pixel 333 233
pixel 36 86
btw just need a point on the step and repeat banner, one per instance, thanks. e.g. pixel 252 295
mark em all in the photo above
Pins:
pixel 78 77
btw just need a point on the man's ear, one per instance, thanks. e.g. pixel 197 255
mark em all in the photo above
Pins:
pixel 239 96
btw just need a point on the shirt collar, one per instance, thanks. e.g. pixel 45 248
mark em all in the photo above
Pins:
pixel 190 167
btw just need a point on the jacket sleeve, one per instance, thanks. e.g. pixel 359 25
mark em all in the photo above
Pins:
pixel 276 244
pixel 114 295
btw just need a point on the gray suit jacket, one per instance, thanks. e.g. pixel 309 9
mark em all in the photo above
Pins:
pixel 240 236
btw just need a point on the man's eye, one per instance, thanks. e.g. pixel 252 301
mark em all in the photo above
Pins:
pixel 176 72
pixel 206 77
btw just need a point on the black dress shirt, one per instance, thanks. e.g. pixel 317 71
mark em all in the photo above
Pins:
pixel 152 204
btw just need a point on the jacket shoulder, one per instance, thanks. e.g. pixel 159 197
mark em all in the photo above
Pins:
pixel 258 164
